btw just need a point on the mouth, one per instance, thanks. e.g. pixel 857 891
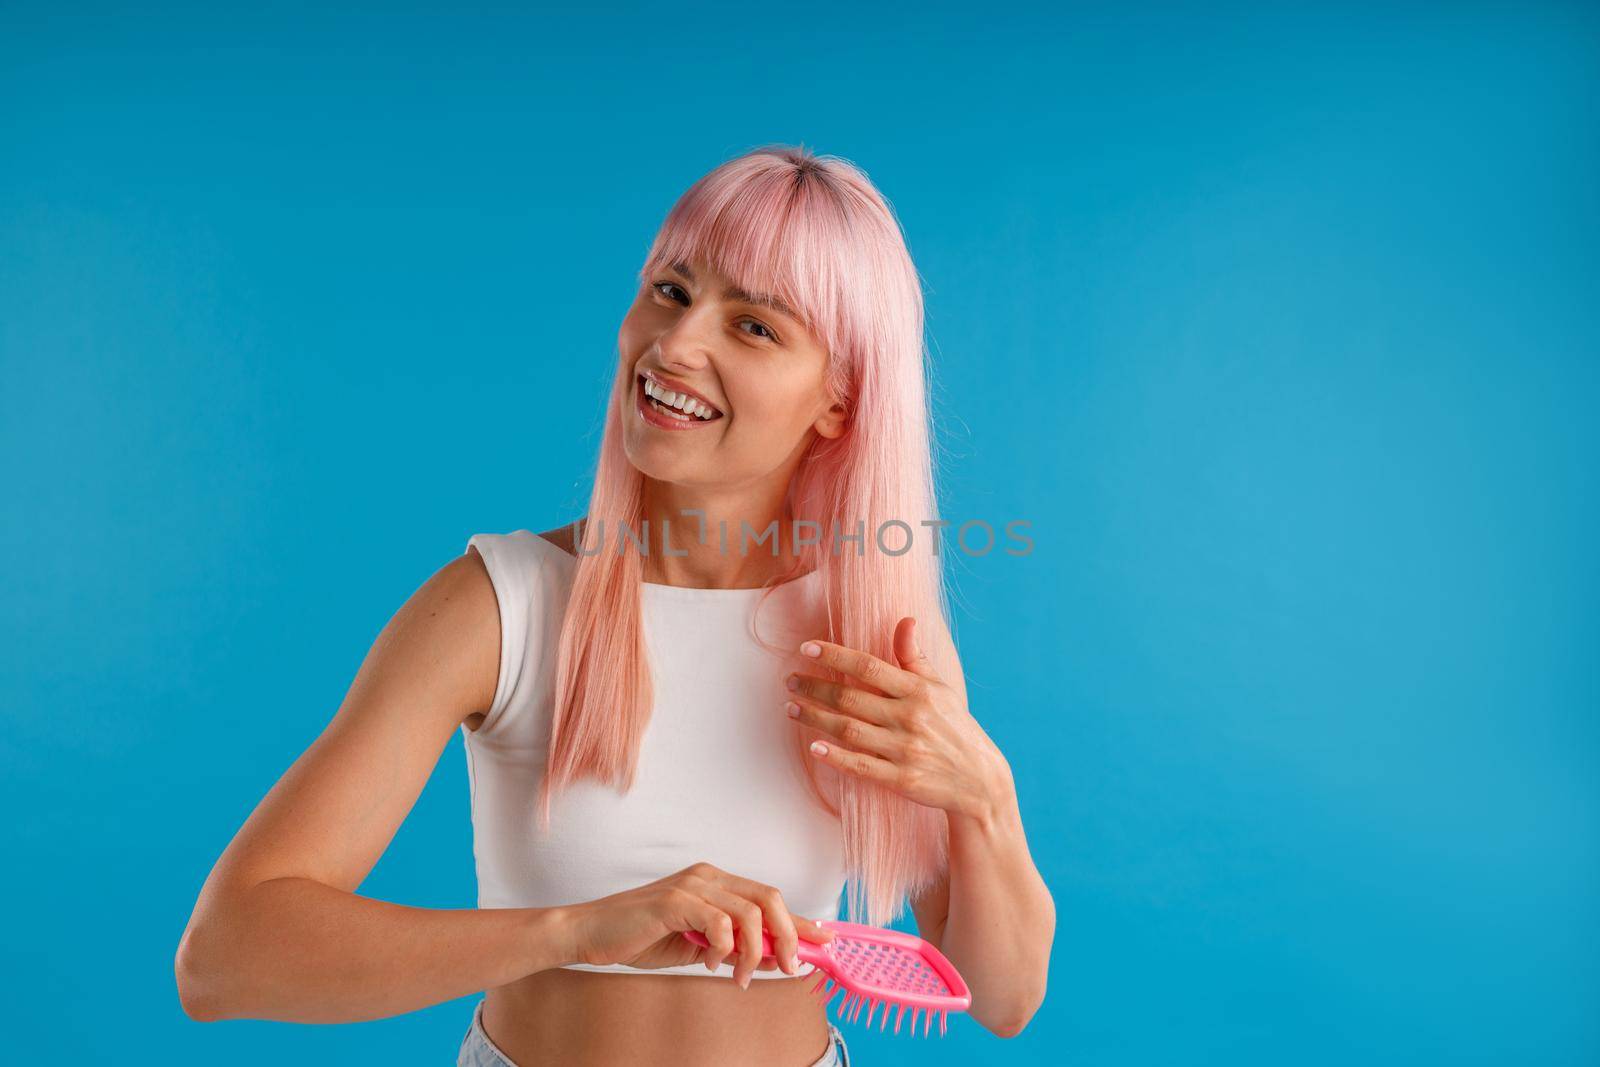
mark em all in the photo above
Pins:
pixel 669 409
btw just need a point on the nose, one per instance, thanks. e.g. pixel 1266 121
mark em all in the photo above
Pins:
pixel 683 348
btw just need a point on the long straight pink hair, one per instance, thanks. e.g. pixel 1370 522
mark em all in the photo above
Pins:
pixel 814 231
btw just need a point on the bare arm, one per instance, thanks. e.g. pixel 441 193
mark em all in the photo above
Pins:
pixel 278 931
pixel 993 916
pixel 910 730
pixel 991 875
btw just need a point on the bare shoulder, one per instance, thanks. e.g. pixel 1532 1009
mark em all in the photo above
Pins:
pixel 445 640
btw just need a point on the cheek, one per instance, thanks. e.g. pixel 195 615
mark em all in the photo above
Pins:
pixel 640 328
pixel 774 413
pixel 630 338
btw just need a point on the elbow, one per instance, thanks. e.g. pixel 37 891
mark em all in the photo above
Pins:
pixel 1021 1012
pixel 1015 1021
pixel 1013 1024
pixel 1010 1018
pixel 198 970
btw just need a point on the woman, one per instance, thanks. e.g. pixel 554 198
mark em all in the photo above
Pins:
pixel 712 704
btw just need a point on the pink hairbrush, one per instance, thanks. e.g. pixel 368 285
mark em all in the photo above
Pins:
pixel 874 966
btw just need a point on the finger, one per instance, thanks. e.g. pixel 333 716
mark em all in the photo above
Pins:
pixel 779 923
pixel 849 732
pixel 845 698
pixel 882 676
pixel 809 929
pixel 859 764
pixel 908 650
pixel 747 919
pixel 812 930
pixel 774 915
pixel 717 926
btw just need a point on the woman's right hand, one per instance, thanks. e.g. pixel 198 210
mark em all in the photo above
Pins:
pixel 644 927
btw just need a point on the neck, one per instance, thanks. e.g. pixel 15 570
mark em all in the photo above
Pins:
pixel 694 553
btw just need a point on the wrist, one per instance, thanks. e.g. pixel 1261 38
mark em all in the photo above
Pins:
pixel 550 937
pixel 993 806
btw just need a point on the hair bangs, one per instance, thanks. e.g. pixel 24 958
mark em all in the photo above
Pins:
pixel 769 229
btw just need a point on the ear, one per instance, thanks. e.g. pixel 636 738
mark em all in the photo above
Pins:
pixel 831 423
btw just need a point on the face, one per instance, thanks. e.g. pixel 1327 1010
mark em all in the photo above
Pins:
pixel 752 373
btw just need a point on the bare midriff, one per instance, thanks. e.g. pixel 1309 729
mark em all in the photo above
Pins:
pixel 583 1018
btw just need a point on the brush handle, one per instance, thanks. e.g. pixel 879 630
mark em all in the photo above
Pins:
pixel 807 951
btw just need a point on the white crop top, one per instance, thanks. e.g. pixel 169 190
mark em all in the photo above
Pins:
pixel 718 779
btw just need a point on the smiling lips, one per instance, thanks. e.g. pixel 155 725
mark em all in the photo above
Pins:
pixel 671 409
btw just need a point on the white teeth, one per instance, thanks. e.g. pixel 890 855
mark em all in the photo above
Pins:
pixel 681 401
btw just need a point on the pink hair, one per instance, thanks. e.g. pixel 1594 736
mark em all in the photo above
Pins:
pixel 814 231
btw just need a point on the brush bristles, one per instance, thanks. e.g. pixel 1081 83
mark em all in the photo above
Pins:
pixel 826 988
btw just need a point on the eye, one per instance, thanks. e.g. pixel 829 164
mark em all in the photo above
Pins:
pixel 769 335
pixel 662 287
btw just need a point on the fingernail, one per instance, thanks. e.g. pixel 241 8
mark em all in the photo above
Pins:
pixel 792 682
pixel 812 649
pixel 792 708
pixel 819 748
pixel 744 983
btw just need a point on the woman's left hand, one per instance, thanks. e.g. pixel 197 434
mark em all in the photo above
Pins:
pixel 901 726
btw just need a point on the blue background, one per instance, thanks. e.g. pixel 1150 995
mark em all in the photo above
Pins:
pixel 1279 326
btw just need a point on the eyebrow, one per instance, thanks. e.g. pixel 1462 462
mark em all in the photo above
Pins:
pixel 733 292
